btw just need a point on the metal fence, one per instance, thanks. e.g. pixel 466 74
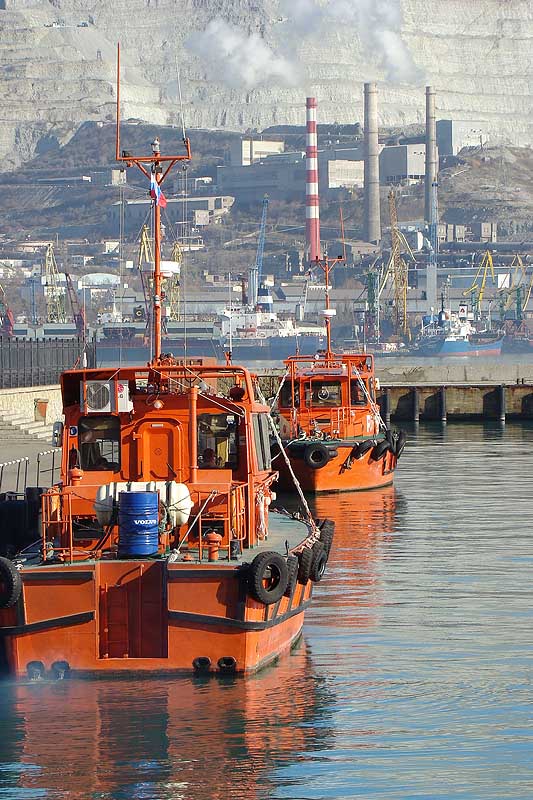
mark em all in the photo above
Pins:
pixel 40 362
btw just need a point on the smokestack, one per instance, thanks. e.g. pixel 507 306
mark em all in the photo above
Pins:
pixel 431 151
pixel 372 231
pixel 312 202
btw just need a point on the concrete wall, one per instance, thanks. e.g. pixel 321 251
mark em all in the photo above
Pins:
pixel 413 371
pixel 22 401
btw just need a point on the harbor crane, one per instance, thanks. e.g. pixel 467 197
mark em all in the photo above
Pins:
pixel 477 290
pixel 7 319
pixel 78 313
pixel 398 268
pixel 517 291
pixel 255 272
pixel 54 293
pixel 174 285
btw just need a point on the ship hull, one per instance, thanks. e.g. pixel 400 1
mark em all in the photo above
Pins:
pixel 339 474
pixel 144 616
pixel 275 348
pixel 446 348
pixel 133 352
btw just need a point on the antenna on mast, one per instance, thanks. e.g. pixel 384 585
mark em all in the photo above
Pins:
pixel 155 167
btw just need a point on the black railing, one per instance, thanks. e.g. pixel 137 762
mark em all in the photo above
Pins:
pixel 40 362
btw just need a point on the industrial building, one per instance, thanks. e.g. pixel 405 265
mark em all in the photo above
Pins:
pixel 402 163
pixel 249 151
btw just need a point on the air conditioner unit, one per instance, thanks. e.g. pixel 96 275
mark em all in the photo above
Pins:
pixel 100 397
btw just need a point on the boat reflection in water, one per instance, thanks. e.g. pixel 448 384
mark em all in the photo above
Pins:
pixel 208 738
pixel 364 525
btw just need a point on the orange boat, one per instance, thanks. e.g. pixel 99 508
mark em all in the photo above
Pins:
pixel 332 436
pixel 159 551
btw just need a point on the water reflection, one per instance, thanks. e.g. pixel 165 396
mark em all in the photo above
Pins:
pixel 162 739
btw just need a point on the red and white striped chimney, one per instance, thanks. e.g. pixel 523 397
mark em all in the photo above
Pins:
pixel 312 202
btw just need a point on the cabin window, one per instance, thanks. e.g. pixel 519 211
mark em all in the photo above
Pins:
pixel 325 393
pixel 217 441
pixel 285 399
pixel 99 442
pixel 357 394
pixel 262 440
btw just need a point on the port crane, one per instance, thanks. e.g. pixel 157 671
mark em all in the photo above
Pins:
pixel 255 272
pixel 398 268
pixel 78 313
pixel 517 290
pixel 477 290
pixel 173 288
pixel 54 293
pixel 7 319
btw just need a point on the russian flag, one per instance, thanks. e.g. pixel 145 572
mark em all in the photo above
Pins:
pixel 156 193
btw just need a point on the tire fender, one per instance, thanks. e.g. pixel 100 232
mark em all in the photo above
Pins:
pixel 316 455
pixel 10 583
pixel 268 577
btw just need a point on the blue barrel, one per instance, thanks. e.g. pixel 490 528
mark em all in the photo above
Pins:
pixel 138 524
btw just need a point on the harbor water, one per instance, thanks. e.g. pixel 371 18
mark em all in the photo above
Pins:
pixel 413 678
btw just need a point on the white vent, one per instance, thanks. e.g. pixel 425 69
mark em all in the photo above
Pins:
pixel 100 397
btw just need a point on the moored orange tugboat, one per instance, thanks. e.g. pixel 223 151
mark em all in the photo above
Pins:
pixel 330 425
pixel 159 550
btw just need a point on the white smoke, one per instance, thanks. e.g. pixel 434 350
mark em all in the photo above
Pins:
pixel 378 23
pixel 239 60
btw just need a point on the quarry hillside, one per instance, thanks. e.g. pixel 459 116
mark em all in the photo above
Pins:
pixel 248 64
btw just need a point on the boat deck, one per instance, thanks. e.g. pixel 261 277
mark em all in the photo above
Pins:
pixel 284 532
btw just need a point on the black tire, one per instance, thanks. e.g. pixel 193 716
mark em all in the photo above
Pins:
pixel 400 444
pixel 327 530
pixel 316 455
pixel 10 583
pixel 305 562
pixel 292 579
pixel 268 577
pixel 379 450
pixel 364 447
pixel 319 565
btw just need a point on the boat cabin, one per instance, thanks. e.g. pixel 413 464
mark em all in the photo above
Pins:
pixel 333 396
pixel 196 435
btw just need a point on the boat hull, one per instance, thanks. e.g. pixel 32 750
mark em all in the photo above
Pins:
pixel 445 348
pixel 338 475
pixel 144 616
pixel 275 348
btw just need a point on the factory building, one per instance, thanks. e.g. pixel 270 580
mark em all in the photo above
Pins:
pixel 453 135
pixel 402 163
pixel 249 151
pixel 283 176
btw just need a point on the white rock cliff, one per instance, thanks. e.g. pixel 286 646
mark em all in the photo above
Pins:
pixel 256 63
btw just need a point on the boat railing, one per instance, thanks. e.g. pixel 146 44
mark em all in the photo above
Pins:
pixel 217 511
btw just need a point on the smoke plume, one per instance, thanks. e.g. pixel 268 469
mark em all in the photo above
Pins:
pixel 239 60
pixel 378 23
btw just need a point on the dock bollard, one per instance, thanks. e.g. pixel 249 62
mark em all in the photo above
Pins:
pixel 502 402
pixel 213 540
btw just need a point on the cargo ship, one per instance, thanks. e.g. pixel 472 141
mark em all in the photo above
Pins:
pixel 159 549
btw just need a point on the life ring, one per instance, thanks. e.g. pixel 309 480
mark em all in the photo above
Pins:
pixel 320 559
pixel 363 447
pixel 316 455
pixel 268 577
pixel 305 562
pixel 10 583
pixel 323 393
pixel 292 580
pixel 379 450
pixel 400 444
